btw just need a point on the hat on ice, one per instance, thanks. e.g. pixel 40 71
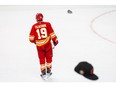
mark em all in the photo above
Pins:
pixel 86 69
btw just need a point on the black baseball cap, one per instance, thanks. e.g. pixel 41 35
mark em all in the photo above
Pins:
pixel 86 69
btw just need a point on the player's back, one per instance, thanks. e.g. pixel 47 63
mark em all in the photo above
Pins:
pixel 42 32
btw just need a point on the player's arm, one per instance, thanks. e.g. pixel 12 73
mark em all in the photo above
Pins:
pixel 53 35
pixel 32 35
pixel 54 38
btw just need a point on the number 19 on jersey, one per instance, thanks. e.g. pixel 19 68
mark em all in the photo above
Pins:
pixel 42 33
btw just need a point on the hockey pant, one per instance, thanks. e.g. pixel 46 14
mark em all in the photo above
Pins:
pixel 45 54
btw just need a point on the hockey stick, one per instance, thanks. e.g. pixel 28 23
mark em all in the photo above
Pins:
pixel 53 47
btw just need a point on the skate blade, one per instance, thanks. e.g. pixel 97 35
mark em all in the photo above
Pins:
pixel 44 77
pixel 49 75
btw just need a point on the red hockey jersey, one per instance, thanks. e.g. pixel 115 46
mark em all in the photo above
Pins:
pixel 41 33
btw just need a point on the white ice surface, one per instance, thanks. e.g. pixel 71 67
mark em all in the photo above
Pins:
pixel 77 42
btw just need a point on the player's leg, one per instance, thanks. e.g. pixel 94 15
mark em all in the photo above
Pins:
pixel 41 56
pixel 49 67
pixel 49 55
pixel 43 69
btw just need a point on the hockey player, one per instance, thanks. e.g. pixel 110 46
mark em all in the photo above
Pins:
pixel 41 35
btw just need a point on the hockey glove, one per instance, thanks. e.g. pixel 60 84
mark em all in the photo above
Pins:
pixel 55 42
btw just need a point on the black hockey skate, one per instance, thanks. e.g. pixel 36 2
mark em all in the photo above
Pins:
pixel 43 76
pixel 49 73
